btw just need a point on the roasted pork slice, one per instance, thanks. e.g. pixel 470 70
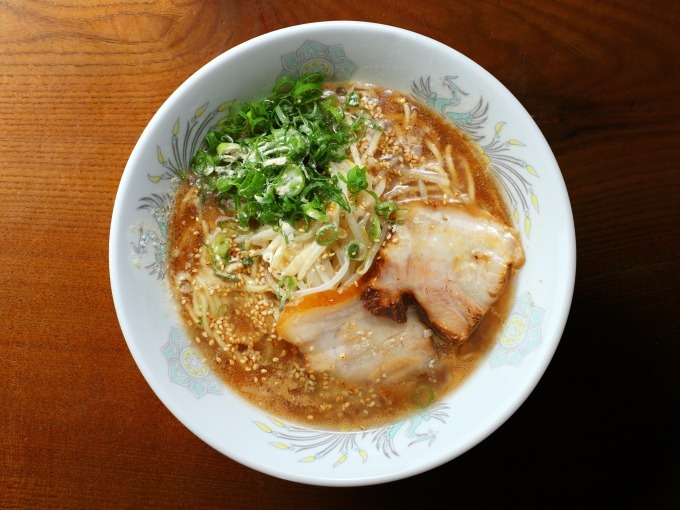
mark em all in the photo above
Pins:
pixel 452 260
pixel 336 333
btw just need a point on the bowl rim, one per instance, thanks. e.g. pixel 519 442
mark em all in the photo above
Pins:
pixel 569 271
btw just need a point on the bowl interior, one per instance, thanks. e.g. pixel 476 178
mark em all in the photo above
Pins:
pixel 518 154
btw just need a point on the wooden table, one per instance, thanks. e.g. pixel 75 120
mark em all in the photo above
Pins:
pixel 80 427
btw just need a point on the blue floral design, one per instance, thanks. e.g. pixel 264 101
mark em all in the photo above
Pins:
pixel 521 333
pixel 313 56
pixel 151 243
pixel 186 366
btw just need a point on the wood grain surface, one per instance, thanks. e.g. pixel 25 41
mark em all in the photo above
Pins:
pixel 80 427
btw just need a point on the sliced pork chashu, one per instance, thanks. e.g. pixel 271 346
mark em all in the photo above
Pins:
pixel 453 260
pixel 336 333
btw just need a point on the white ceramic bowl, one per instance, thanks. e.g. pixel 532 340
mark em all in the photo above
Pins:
pixel 518 154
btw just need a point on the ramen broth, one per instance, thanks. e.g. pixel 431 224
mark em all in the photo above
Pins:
pixel 234 327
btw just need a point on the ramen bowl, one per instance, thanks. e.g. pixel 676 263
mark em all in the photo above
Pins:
pixel 516 153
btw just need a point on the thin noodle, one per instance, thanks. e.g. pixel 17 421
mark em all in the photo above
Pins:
pixel 451 169
pixel 433 148
pixel 470 179
pixel 355 154
pixel 375 139
pixel 423 190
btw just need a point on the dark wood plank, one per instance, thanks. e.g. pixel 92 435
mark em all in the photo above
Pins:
pixel 79 426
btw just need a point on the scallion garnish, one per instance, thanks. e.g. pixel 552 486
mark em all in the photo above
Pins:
pixel 285 287
pixel 327 234
pixel 355 180
pixel 386 208
pixel 356 250
pixel 374 228
pixel 270 159
pixel 423 396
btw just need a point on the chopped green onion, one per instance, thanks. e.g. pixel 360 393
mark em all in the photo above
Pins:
pixel 374 228
pixel 353 99
pixel 423 396
pixel 326 235
pixel 221 245
pixel 290 182
pixel 355 180
pixel 295 142
pixel 285 288
pixel 312 210
pixel 385 209
pixel 245 160
pixel 284 85
pixel 356 250
pixel 283 120
pixel 225 147
pixel 224 274
pixel 218 251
